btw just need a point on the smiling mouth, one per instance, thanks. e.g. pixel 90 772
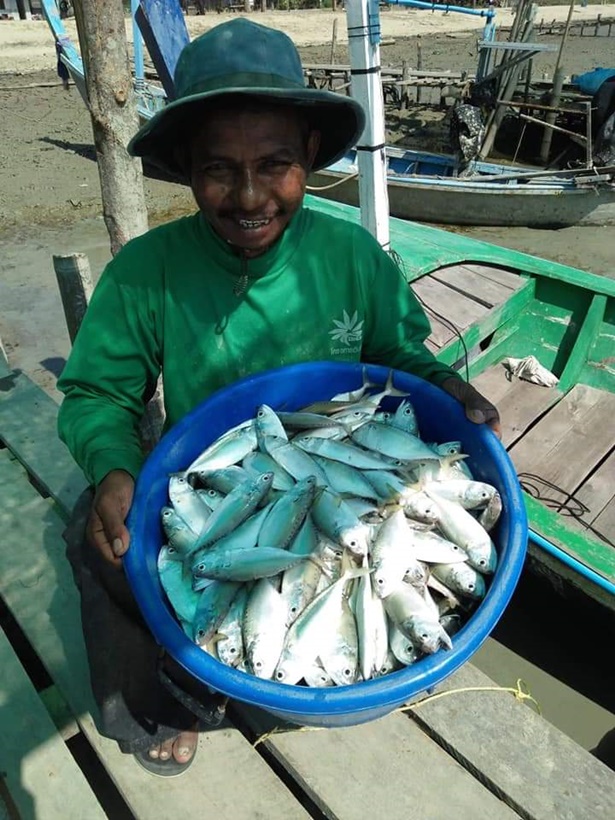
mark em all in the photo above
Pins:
pixel 253 224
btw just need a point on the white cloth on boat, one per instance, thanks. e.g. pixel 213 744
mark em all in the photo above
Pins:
pixel 530 370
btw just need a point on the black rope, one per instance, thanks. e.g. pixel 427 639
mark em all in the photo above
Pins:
pixel 570 505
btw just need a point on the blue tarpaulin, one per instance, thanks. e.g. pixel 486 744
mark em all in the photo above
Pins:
pixel 590 82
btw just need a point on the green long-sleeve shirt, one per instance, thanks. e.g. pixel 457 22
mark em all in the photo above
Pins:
pixel 168 303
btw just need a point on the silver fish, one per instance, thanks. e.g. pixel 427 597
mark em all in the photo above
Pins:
pixel 228 449
pixel 245 565
pixel 392 442
pixel 213 605
pixel 229 638
pixel 264 628
pixel 462 579
pixel 288 514
pixel 336 520
pixel 236 507
pixel 415 618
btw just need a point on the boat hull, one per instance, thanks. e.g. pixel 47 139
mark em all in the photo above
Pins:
pixel 460 202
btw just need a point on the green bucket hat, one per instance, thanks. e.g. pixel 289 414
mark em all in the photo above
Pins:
pixel 246 59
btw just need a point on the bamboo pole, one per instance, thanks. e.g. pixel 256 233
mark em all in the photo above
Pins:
pixel 333 40
pixel 111 100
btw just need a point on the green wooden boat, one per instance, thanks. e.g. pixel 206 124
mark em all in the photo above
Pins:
pixel 496 303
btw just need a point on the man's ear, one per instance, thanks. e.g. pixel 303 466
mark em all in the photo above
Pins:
pixel 313 144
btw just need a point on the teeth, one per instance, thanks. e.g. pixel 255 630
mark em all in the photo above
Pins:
pixel 250 224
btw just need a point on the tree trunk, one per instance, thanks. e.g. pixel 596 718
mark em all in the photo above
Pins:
pixel 112 105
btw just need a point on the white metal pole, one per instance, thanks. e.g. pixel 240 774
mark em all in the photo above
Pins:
pixel 363 21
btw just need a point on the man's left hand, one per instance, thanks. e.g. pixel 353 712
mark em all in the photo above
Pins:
pixel 478 408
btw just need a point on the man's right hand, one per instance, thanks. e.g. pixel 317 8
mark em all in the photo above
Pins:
pixel 106 528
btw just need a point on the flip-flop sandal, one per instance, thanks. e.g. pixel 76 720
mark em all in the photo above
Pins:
pixel 163 768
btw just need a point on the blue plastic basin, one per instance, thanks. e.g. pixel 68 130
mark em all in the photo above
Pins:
pixel 441 419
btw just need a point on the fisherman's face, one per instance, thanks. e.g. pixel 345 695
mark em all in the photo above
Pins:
pixel 248 170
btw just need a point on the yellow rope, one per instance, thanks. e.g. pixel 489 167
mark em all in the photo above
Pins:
pixel 333 184
pixel 520 692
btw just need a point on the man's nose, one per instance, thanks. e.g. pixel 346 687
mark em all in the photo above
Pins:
pixel 250 191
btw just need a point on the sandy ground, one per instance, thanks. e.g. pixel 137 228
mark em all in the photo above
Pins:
pixel 47 170
pixel 50 191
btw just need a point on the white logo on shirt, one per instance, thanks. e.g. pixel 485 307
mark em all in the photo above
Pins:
pixel 349 330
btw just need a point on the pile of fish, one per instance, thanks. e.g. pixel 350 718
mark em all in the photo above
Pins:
pixel 329 545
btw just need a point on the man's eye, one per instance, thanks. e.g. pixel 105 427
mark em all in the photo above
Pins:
pixel 216 169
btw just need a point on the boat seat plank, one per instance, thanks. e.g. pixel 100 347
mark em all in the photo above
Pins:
pixel 36 585
pixel 534 767
pixel 32 753
pixel 563 448
pixel 394 746
pixel 519 402
pixel 472 284
pixel 507 278
pixel 458 309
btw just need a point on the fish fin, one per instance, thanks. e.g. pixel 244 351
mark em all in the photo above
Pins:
pixel 445 639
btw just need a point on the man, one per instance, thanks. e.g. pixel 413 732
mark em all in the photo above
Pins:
pixel 254 280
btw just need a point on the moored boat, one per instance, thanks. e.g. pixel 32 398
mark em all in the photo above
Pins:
pixel 429 187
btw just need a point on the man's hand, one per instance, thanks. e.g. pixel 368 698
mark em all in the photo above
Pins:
pixel 478 408
pixel 106 530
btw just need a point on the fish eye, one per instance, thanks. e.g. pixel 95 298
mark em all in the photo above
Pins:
pixel 471 587
pixel 279 675
pixel 347 673
pixel 200 632
pixel 380 581
pixel 260 413
pixel 232 650
pixel 199 567
pixel 293 609
pixel 211 493
pixel 171 550
pixel 258 664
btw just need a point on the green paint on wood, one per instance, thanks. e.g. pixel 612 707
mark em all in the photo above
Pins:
pixel 28 418
pixel 495 318
pixel 584 341
pixel 595 554
pixel 42 777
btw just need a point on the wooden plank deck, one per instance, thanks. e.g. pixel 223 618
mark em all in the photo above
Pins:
pixel 438 762
pixel 459 296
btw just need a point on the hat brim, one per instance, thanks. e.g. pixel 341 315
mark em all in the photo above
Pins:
pixel 339 119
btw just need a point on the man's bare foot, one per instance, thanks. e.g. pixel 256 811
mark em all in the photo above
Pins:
pixel 182 747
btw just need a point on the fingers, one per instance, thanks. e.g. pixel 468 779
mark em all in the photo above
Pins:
pixel 107 530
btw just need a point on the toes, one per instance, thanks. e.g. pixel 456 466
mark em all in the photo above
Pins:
pixel 184 747
pixel 166 750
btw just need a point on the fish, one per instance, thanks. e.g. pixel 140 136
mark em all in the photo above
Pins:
pixel 414 617
pixel 460 526
pixel 177 584
pixel 390 441
pixel 462 579
pixel 264 628
pixel 227 450
pixel 336 520
pixel 309 632
pixel 236 507
pixel 245 565
pixel 392 557
pixel 287 514
pixel 187 503
pixel 212 607
pixel 229 637
pixel 341 451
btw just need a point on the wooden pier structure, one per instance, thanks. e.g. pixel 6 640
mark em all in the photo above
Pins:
pixel 474 751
